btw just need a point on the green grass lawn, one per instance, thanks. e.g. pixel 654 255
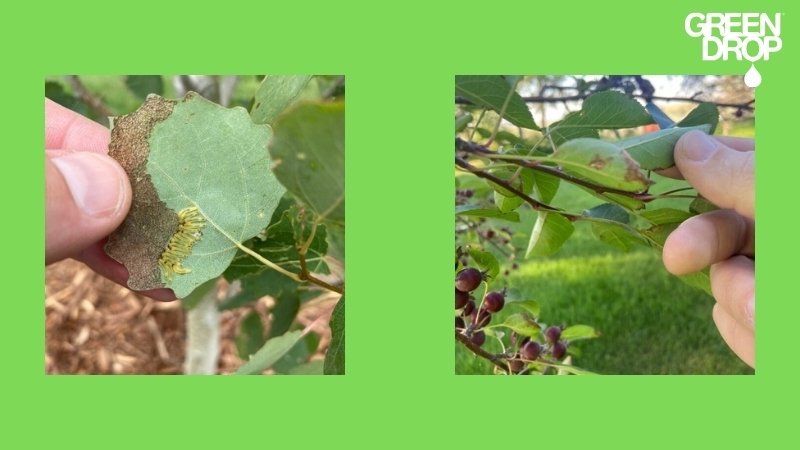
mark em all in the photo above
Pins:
pixel 651 322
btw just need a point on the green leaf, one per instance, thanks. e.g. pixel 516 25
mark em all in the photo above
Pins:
pixel 250 337
pixel 334 358
pixel 700 280
pixel 617 236
pixel 308 151
pixel 486 262
pixel 577 332
pixel 293 358
pixel 491 92
pixel 144 85
pixel 462 121
pixel 700 205
pixel 601 162
pixel 655 151
pixel 622 200
pixel 506 200
pixel 477 211
pixel 309 368
pixel 705 113
pixel 604 110
pixel 531 306
pixel 608 211
pixel 665 215
pixel 283 314
pixel 274 95
pixel 549 233
pixel 272 351
pixel 182 154
pixel 55 92
pixel 520 324
pixel 266 282
pixel 567 368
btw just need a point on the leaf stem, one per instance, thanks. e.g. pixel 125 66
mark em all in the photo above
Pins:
pixel 267 262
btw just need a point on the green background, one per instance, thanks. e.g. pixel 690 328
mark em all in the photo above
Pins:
pixel 400 61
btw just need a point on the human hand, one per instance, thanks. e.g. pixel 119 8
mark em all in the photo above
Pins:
pixel 87 194
pixel 722 169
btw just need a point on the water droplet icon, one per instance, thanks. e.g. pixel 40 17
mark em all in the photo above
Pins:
pixel 752 78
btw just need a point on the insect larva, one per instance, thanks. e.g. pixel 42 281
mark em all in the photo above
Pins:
pixel 180 244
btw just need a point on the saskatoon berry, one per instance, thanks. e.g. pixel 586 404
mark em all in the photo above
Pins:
pixel 461 299
pixel 468 279
pixel 480 318
pixel 531 350
pixel 524 341
pixel 468 308
pixel 460 322
pixel 559 350
pixel 489 234
pixel 515 266
pixel 553 334
pixel 494 301
pixel 739 113
pixel 478 338
pixel 516 365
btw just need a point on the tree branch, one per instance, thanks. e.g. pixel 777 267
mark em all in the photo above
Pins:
pixel 494 359
pixel 745 106
pixel 83 93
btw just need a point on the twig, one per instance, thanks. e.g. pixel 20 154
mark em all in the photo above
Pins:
pixel 481 352
pixel 305 275
pixel 83 93
pixel 745 106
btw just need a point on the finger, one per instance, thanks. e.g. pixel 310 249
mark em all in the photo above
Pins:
pixel 741 340
pixel 87 197
pixel 68 130
pixel 707 239
pixel 734 286
pixel 735 143
pixel 97 259
pixel 726 177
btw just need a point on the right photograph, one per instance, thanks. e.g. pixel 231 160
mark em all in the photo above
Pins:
pixel 604 225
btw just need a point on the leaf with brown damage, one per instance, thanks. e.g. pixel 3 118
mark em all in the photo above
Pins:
pixel 601 162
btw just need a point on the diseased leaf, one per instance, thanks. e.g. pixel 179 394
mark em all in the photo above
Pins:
pixel 491 92
pixel 549 233
pixel 275 94
pixel 335 356
pixel 656 150
pixel 601 162
pixel 182 154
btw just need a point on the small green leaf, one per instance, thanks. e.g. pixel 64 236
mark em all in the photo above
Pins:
pixel 491 92
pixel 654 151
pixel 520 324
pixel 608 211
pixel 462 121
pixel 310 368
pixel 577 332
pixel 144 85
pixel 272 351
pixel 601 162
pixel 549 233
pixel 486 262
pixel 334 358
pixel 665 215
pixel 700 280
pixel 604 110
pixel 531 306
pixel 567 368
pixel 700 205
pixel 477 211
pixel 617 236
pixel 275 94
pixel 283 314
pixel 705 113
pixel 250 337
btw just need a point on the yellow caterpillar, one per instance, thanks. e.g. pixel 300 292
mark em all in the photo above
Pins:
pixel 180 245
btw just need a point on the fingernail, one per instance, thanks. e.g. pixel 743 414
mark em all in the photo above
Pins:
pixel 94 182
pixel 751 310
pixel 698 147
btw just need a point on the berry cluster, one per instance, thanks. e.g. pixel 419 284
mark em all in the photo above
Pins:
pixel 467 281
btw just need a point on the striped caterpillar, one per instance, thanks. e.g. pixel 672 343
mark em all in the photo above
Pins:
pixel 180 245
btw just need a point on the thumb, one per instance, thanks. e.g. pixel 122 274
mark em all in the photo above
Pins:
pixel 87 196
pixel 726 177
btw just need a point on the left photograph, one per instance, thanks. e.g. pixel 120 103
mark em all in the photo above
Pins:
pixel 194 224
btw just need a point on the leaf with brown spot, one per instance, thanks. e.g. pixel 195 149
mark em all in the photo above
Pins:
pixel 600 162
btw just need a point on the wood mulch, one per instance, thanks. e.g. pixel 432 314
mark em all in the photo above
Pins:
pixel 95 326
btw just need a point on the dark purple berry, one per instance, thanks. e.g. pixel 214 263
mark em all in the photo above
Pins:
pixel 506 272
pixel 468 279
pixel 516 365
pixel 469 307
pixel 531 350
pixel 480 318
pixel 461 299
pixel 559 350
pixel 553 334
pixel 739 113
pixel 469 192
pixel 515 266
pixel 524 341
pixel 489 234
pixel 494 301
pixel 478 338
pixel 460 322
